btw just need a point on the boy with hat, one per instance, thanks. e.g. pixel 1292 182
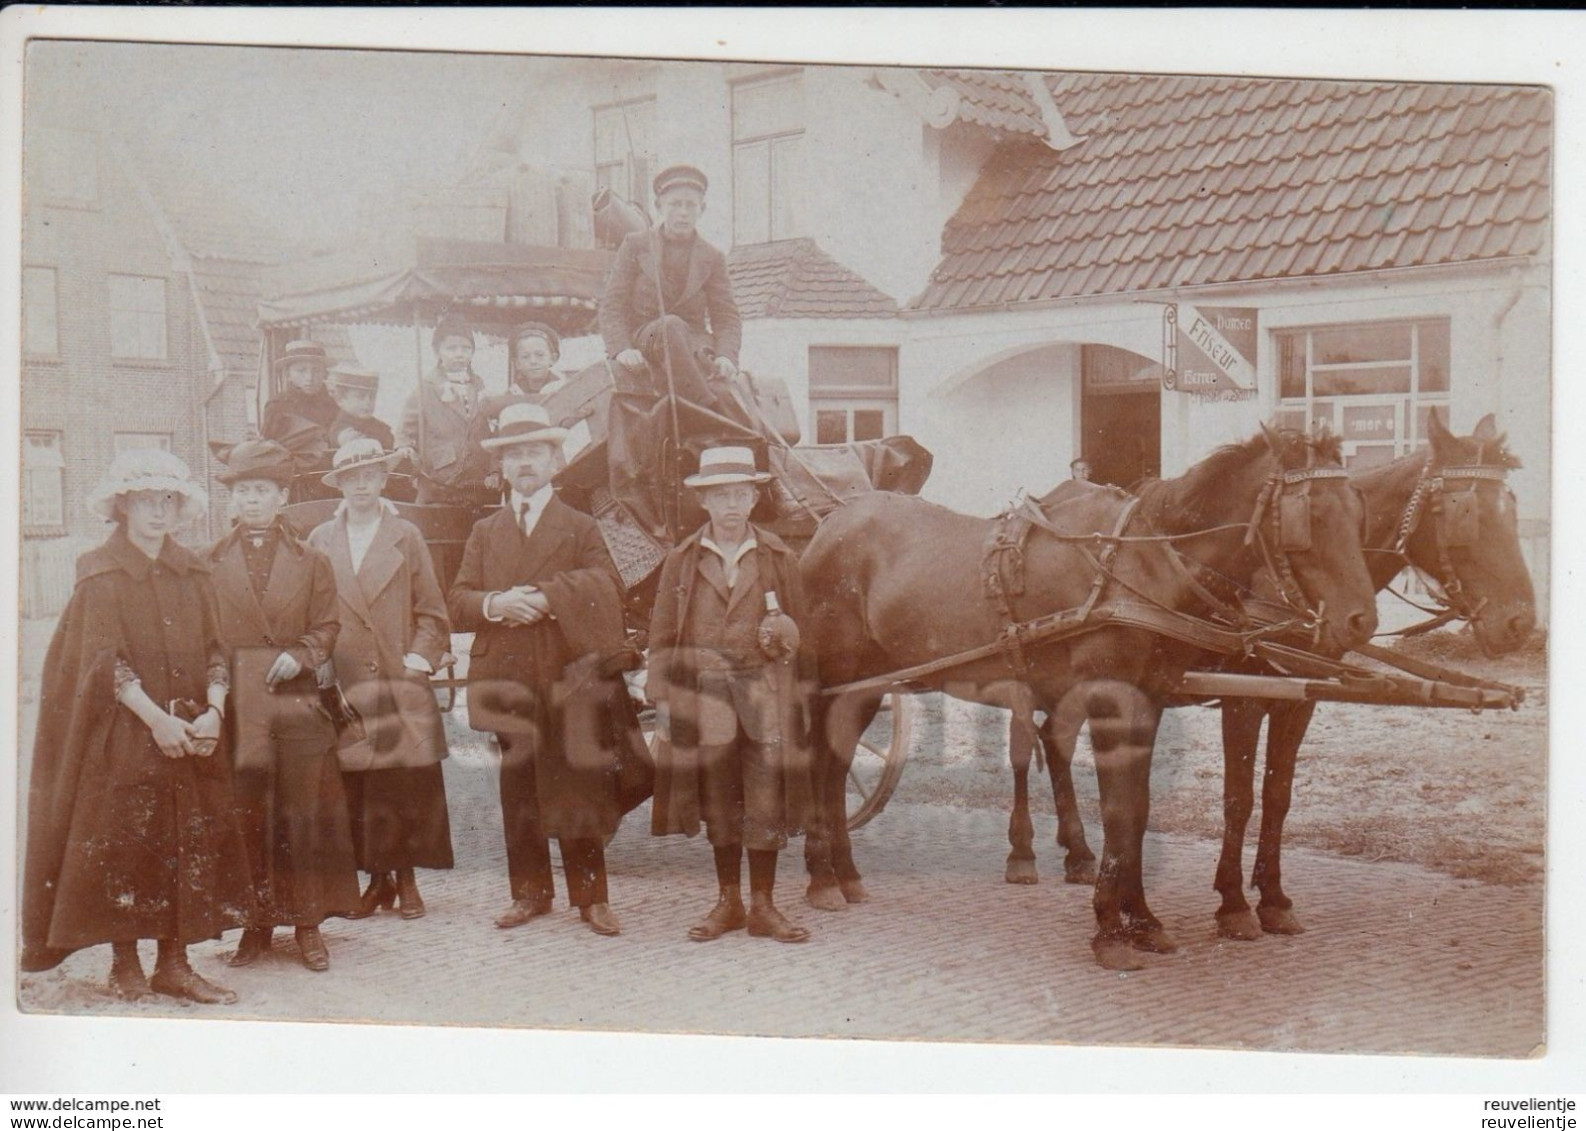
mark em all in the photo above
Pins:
pixel 533 348
pixel 443 421
pixel 298 415
pixel 132 826
pixel 394 632
pixel 539 591
pixel 278 615
pixel 354 390
pixel 668 301
pixel 727 674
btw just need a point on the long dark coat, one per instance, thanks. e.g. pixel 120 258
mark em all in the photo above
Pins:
pixel 389 606
pixel 706 303
pixel 289 792
pixel 554 686
pixel 674 680
pixel 124 843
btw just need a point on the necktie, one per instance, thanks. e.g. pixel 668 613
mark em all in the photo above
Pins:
pixel 524 512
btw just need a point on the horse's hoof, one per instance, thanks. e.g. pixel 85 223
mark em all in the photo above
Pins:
pixel 853 891
pixel 1114 954
pixel 1080 872
pixel 826 897
pixel 1021 872
pixel 1242 926
pixel 1153 939
pixel 1279 921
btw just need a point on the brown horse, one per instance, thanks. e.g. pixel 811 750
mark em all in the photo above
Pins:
pixel 897 582
pixel 1428 511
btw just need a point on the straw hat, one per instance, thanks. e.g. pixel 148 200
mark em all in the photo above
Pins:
pixel 524 423
pixel 349 376
pixel 365 451
pixel 302 350
pixel 147 469
pixel 721 466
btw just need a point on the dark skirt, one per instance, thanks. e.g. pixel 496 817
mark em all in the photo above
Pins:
pixel 294 816
pixel 399 817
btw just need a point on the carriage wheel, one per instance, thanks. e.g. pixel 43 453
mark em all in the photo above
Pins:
pixel 878 762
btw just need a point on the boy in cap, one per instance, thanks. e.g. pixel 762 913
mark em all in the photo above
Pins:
pixel 443 421
pixel 668 298
pixel 299 414
pixel 727 673
pixel 278 616
pixel 538 589
pixel 533 349
pixel 354 390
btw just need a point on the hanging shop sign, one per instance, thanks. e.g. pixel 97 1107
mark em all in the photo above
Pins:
pixel 1209 351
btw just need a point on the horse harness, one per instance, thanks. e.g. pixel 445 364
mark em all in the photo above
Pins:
pixel 1284 502
pixel 1456 515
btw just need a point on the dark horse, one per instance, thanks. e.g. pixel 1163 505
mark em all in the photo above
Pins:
pixel 1436 512
pixel 899 583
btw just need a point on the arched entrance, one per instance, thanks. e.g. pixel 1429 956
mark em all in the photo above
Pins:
pixel 1120 415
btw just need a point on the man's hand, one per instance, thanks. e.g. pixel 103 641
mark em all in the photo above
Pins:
pixel 285 667
pixel 522 605
pixel 631 359
pixel 172 735
pixel 725 368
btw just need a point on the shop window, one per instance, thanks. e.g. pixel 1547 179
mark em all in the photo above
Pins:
pixel 625 149
pixel 767 144
pixel 43 481
pixel 40 313
pixel 1373 384
pixel 853 393
pixel 137 317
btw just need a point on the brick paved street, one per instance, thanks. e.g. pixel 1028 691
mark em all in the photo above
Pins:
pixel 1397 958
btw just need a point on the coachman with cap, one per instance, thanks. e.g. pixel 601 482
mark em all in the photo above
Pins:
pixel 668 302
pixel 540 593
pixel 279 618
pixel 132 826
pixel 730 679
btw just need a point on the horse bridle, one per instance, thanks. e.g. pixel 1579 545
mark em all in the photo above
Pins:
pixel 1456 520
pixel 1291 517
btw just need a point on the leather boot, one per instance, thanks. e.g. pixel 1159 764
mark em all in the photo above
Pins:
pixel 727 915
pixel 311 945
pixel 600 919
pixel 381 892
pixel 411 903
pixel 766 922
pixel 127 980
pixel 254 943
pixel 173 977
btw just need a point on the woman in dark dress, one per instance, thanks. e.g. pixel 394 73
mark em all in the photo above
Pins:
pixel 132 824
pixel 394 634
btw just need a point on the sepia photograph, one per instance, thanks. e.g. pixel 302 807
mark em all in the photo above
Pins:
pixel 767 547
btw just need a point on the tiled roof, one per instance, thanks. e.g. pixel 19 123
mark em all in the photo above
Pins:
pixel 796 279
pixel 1182 181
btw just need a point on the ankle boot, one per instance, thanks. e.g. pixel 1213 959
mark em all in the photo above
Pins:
pixel 407 887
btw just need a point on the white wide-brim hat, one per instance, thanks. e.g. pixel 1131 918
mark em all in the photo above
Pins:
pixel 147 469
pixel 720 466
pixel 524 423
pixel 365 451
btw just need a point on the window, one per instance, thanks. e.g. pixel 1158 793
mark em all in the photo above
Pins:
pixel 43 480
pixel 135 441
pixel 767 140
pixel 137 317
pixel 625 149
pixel 1372 383
pixel 40 311
pixel 853 393
pixel 65 166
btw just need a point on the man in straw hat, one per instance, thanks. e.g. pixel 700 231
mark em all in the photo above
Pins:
pixel 278 615
pixel 668 300
pixel 394 633
pixel 728 677
pixel 443 421
pixel 539 591
pixel 132 823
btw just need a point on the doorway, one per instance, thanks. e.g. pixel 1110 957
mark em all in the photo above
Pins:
pixel 1120 416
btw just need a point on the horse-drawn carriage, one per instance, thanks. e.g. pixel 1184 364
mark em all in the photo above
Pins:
pixel 1084 589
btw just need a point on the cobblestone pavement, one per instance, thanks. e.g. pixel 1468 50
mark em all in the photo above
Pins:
pixel 1396 959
